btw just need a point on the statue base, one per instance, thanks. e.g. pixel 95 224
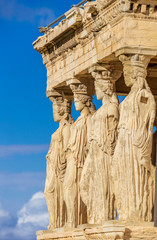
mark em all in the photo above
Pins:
pixel 111 230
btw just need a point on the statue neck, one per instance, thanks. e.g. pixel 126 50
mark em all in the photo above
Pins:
pixel 63 120
pixel 85 111
pixel 106 99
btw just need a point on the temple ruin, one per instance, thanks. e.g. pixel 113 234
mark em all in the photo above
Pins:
pixel 103 162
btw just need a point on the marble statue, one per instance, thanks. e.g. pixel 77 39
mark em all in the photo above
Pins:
pixel 56 162
pixel 132 171
pixel 155 206
pixel 95 185
pixel 154 162
pixel 76 154
pixel 102 164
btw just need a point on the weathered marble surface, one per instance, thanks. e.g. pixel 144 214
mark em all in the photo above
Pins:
pixel 102 162
pixel 56 162
pixel 76 154
pixel 154 161
pixel 105 169
pixel 96 185
pixel 84 39
pixel 108 231
pixel 132 171
pixel 155 207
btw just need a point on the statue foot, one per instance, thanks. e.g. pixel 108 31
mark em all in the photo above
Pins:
pixel 51 227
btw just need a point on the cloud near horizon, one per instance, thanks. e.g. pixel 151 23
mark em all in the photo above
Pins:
pixel 9 150
pixel 4 215
pixel 11 9
pixel 33 211
pixel 32 217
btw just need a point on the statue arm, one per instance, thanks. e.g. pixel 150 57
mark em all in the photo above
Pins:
pixel 66 136
pixel 50 149
pixel 112 121
pixel 154 148
pixel 144 134
pixel 89 129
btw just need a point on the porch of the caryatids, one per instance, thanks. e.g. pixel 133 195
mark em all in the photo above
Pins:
pixel 132 171
pixel 76 154
pixel 95 185
pixel 56 159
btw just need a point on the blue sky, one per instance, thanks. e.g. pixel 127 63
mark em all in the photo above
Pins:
pixel 26 121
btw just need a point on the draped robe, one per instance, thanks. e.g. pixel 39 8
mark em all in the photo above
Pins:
pixel 95 185
pixel 77 152
pixel 132 171
pixel 56 166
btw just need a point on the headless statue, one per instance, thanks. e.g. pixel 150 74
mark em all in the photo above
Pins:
pixel 56 163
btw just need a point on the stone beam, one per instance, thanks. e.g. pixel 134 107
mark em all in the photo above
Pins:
pixel 99 33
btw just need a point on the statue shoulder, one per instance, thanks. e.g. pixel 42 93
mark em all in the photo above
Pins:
pixel 89 120
pixel 113 110
pixel 66 128
pixel 54 135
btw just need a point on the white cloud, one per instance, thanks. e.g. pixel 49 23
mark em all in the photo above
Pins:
pixel 3 213
pixel 34 212
pixel 33 216
pixel 11 9
pixel 5 217
pixel 10 150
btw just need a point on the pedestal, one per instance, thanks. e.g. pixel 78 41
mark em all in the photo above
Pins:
pixel 111 230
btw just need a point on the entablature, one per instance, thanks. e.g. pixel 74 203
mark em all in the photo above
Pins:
pixel 98 33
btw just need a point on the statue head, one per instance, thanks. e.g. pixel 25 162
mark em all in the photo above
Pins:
pixel 102 88
pixel 61 108
pixel 82 98
pixel 81 101
pixel 134 68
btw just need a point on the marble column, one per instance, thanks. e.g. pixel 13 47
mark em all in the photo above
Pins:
pixel 95 185
pixel 76 154
pixel 56 159
pixel 132 171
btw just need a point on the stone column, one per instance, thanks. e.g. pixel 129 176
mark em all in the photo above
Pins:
pixel 56 159
pixel 95 185
pixel 132 171
pixel 106 72
pixel 76 154
pixel 154 161
pixel 155 206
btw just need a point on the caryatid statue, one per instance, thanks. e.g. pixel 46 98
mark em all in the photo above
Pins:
pixel 56 161
pixel 76 155
pixel 132 171
pixel 95 185
pixel 155 205
pixel 154 162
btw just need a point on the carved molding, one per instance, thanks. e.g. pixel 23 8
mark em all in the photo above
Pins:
pixel 103 3
pixel 79 88
pixel 105 72
pixel 134 66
